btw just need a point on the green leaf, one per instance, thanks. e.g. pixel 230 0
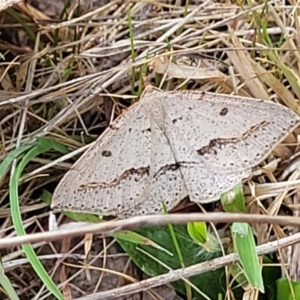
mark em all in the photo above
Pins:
pixel 238 274
pixel 82 217
pixel 234 201
pixel 271 274
pixel 206 239
pixel 135 238
pixel 245 246
pixel 211 283
pixel 241 229
pixel 287 289
pixel 46 197
pixel 198 232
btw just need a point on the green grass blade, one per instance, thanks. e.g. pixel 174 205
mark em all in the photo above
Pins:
pixel 133 54
pixel 27 28
pixel 180 256
pixel 46 144
pixel 245 246
pixel 42 145
pixel 10 157
pixel 7 286
pixel 243 239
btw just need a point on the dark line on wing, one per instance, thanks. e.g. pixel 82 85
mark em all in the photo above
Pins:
pixel 215 144
pixel 173 167
pixel 140 171
pixel 144 171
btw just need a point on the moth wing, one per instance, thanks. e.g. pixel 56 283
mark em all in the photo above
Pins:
pixel 231 133
pixel 111 177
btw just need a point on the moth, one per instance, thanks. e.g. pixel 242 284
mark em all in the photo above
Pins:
pixel 170 145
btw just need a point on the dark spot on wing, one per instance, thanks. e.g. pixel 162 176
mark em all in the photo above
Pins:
pixel 106 153
pixel 203 95
pixel 146 130
pixel 224 111
pixel 175 120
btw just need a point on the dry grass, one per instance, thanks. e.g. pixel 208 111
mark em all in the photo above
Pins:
pixel 61 78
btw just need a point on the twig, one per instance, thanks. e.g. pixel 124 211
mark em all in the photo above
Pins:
pixel 149 220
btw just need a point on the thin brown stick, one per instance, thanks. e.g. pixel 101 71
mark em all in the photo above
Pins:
pixel 150 220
